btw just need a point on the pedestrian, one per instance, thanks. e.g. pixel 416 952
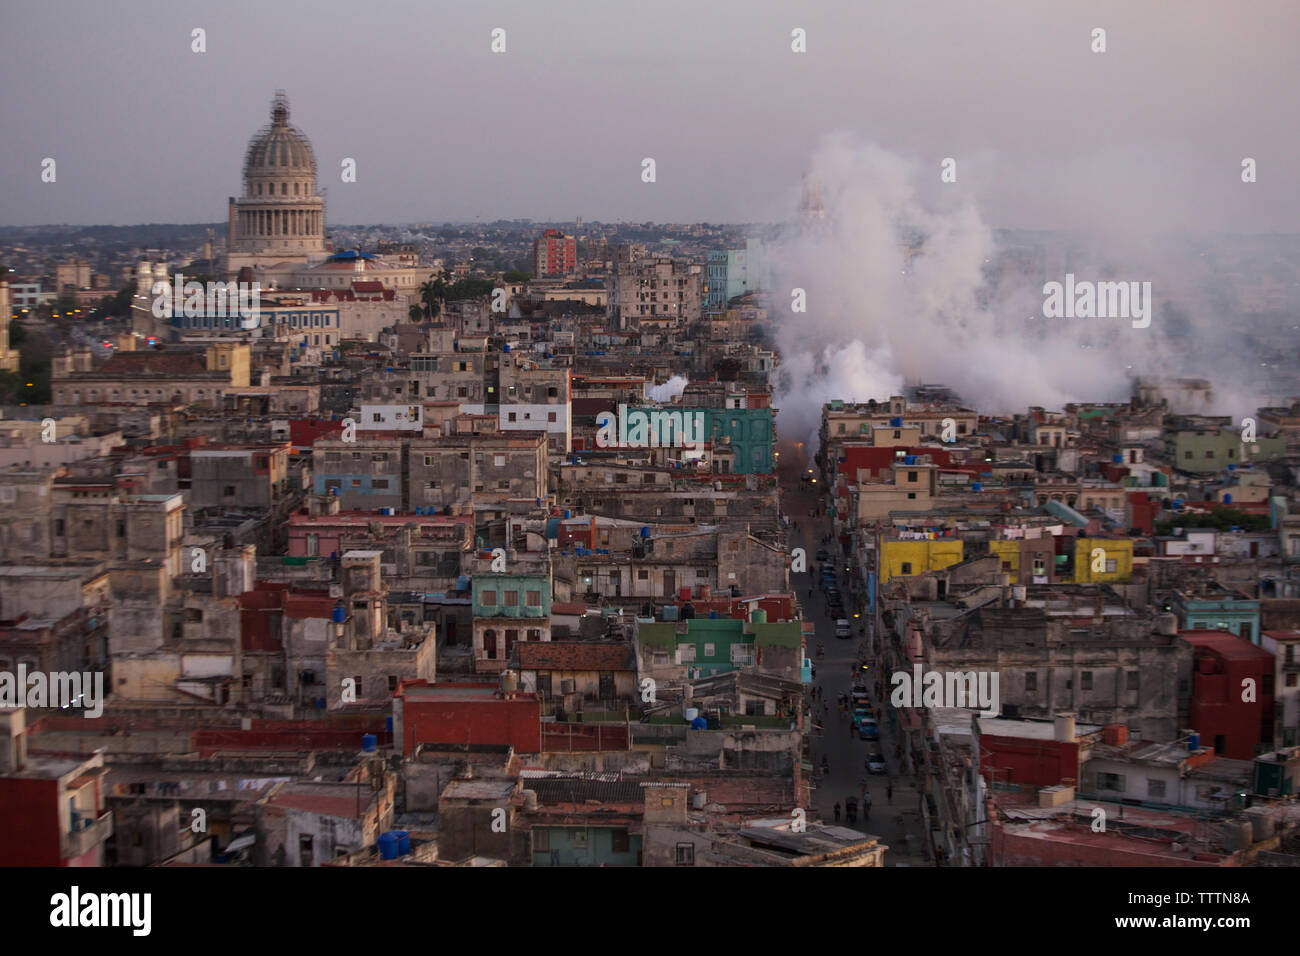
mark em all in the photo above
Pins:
pixel 866 802
pixel 853 730
pixel 837 811
pixel 889 793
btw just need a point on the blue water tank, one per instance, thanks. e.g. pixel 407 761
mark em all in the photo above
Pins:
pixel 388 723
pixel 339 614
pixel 388 845
pixel 1178 504
pixel 506 347
pixel 909 459
pixel 320 703
pixel 567 513
pixel 1194 742
pixel 403 842
pixel 1117 459
pixel 895 423
pixel 369 743
pixel 1232 468
pixel 977 486
pixel 699 723
pixel 645 531
pixel 713 615
pixel 1227 499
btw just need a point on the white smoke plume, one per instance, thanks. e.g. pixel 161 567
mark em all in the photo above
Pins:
pixel 669 390
pixel 876 320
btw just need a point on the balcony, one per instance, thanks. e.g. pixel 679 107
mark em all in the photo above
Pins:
pixel 88 832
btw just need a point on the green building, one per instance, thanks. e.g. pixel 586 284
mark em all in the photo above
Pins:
pixel 709 646
pixel 750 432
pixel 1205 450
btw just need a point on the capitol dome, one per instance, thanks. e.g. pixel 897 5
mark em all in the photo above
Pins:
pixel 278 153
pixel 279 214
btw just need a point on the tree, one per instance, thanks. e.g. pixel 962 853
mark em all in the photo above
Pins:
pixel 415 313
pixel 433 293
pixel 517 275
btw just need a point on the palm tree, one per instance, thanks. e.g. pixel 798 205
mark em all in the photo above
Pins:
pixel 415 313
pixel 433 293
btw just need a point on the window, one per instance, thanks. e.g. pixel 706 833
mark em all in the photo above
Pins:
pixel 643 575
pixel 488 597
pixel 685 854
pixel 709 650
pixel 1133 680
pixel 544 685
pixel 510 598
pixel 907 567
pixel 618 842
pixel 228 491
pixel 1085 680
pixel 1111 565
pixel 911 476
pixel 1031 682
pixel 1155 788
pixel 1187 456
pixel 1113 782
pixel 392 683
pixel 534 598
pixel 542 837
pixel 550 416
pixel 379 483
pixel 498 461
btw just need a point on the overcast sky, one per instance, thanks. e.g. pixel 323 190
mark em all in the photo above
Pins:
pixel 1046 133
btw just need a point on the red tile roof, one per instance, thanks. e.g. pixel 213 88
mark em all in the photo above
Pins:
pixel 575 656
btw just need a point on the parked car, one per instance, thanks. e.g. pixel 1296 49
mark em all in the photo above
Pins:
pixel 868 729
pixel 823 554
pixel 876 763
pixel 842 629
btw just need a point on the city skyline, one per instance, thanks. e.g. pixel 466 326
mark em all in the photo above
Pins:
pixel 1066 145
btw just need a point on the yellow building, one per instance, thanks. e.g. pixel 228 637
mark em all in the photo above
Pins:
pixel 1113 557
pixel 910 558
pixel 235 358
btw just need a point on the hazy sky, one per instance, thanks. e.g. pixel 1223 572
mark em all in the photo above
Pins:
pixel 1046 133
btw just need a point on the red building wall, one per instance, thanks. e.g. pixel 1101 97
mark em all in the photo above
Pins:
pixel 1042 763
pixel 489 721
pixel 1222 663
pixel 29 822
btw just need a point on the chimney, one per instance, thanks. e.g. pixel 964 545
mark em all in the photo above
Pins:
pixel 13 741
pixel 1064 724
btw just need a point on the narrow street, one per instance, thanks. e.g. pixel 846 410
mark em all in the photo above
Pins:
pixel 894 817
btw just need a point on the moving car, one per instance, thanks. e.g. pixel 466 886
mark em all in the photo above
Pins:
pixel 823 555
pixel 868 729
pixel 842 629
pixel 876 764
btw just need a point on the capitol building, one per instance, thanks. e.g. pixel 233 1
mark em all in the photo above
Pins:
pixel 276 238
pixel 278 225
pixel 276 228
